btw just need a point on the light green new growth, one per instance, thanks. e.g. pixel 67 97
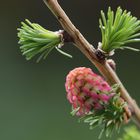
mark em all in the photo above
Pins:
pixel 34 40
pixel 110 118
pixel 118 29
pixel 131 133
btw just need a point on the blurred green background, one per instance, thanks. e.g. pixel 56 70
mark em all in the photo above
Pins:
pixel 33 104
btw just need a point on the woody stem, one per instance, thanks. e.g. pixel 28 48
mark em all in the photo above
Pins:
pixel 89 51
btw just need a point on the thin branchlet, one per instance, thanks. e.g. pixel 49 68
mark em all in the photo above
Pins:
pixel 89 51
pixel 117 30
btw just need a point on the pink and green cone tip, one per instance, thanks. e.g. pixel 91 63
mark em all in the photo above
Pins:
pixel 87 90
pixel 94 100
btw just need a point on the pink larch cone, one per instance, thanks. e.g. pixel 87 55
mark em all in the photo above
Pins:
pixel 87 90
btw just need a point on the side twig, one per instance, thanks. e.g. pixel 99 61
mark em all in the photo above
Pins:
pixel 89 51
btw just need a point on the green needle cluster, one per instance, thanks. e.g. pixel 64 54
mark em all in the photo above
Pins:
pixel 118 29
pixel 109 118
pixel 35 40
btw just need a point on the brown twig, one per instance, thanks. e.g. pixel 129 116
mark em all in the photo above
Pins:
pixel 89 51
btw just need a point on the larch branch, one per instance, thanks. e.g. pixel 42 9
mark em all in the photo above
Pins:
pixel 89 51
